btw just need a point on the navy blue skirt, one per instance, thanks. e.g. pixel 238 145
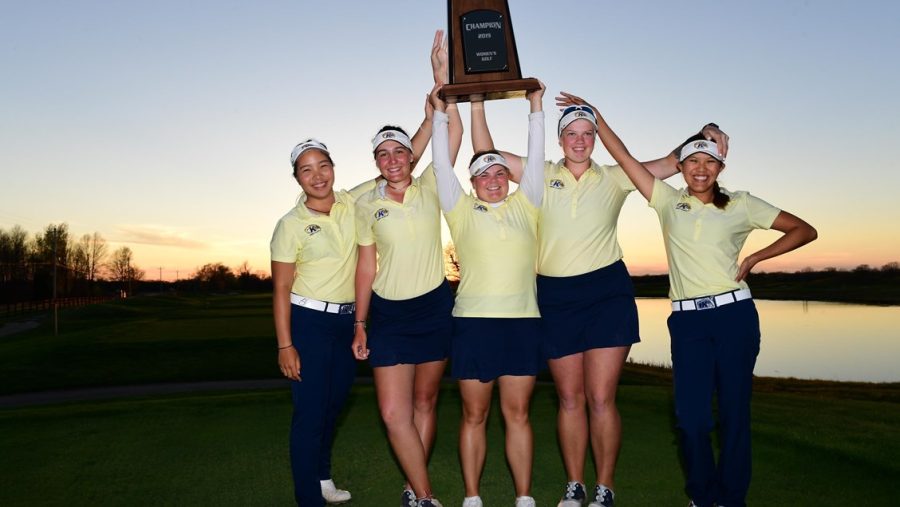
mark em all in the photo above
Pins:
pixel 588 311
pixel 487 348
pixel 410 331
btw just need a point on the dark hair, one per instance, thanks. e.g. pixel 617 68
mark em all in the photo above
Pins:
pixel 720 199
pixel 480 153
pixel 392 127
pixel 327 155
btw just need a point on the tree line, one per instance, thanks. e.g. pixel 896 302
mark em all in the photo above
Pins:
pixel 53 262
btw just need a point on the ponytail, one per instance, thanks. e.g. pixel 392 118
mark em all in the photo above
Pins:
pixel 720 199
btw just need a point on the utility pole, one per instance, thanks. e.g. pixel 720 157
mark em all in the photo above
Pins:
pixel 160 280
pixel 55 304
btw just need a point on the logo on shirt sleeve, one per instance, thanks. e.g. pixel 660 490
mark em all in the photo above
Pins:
pixel 557 184
pixel 683 206
pixel 381 213
pixel 312 229
pixel 480 207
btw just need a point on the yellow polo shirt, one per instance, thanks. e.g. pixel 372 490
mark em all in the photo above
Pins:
pixel 577 226
pixel 702 241
pixel 362 188
pixel 406 235
pixel 322 247
pixel 497 249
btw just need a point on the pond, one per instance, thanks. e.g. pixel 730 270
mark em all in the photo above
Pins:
pixel 810 340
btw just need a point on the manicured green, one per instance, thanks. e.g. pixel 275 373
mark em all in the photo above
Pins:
pixel 815 442
pixel 144 340
pixel 231 449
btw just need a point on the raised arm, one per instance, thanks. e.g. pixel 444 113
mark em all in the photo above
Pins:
pixel 636 172
pixel 482 141
pixel 796 234
pixel 533 177
pixel 440 72
pixel 448 186
pixel 666 166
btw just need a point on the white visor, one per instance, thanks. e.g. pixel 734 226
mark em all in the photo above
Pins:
pixel 708 147
pixel 485 161
pixel 391 135
pixel 573 113
pixel 309 144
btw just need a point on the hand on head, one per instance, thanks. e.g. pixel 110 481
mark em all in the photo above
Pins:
pixel 712 133
pixel 564 100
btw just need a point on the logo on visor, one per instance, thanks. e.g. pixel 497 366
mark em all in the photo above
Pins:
pixel 490 159
pixel 701 145
pixel 387 135
pixel 480 207
pixel 381 213
pixel 580 114
pixel 312 229
pixel 683 206
pixel 557 184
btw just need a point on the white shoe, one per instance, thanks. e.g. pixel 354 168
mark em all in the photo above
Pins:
pixel 525 501
pixel 333 495
pixel 472 501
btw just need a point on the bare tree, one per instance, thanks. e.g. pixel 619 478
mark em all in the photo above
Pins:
pixel 122 269
pixel 94 249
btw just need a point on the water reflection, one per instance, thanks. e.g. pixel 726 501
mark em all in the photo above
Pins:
pixel 801 339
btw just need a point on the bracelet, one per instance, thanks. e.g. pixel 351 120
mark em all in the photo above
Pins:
pixel 356 322
pixel 286 347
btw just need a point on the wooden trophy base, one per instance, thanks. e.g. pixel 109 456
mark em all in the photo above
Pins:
pixel 488 90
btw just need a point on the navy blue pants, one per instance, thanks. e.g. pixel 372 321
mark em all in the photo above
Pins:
pixel 714 351
pixel 327 369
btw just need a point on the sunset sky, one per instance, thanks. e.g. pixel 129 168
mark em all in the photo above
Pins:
pixel 166 126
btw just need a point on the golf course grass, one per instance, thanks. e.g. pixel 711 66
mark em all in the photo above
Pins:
pixel 815 443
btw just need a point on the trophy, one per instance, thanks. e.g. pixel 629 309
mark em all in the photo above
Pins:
pixel 482 53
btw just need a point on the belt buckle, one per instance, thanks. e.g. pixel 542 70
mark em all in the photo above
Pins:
pixel 345 309
pixel 705 303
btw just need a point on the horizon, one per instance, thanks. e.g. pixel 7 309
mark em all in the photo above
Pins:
pixel 167 127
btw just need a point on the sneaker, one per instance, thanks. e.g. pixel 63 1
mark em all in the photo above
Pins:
pixel 428 502
pixel 574 496
pixel 407 498
pixel 603 497
pixel 333 495
pixel 472 501
pixel 525 501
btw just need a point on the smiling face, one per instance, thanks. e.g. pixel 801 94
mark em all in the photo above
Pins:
pixel 493 184
pixel 577 141
pixel 700 172
pixel 394 161
pixel 315 174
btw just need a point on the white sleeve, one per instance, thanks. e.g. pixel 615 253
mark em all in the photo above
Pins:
pixel 532 183
pixel 448 187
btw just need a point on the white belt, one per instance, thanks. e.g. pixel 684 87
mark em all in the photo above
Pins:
pixel 710 302
pixel 323 306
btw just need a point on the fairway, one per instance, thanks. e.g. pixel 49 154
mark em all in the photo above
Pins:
pixel 815 442
pixel 231 449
